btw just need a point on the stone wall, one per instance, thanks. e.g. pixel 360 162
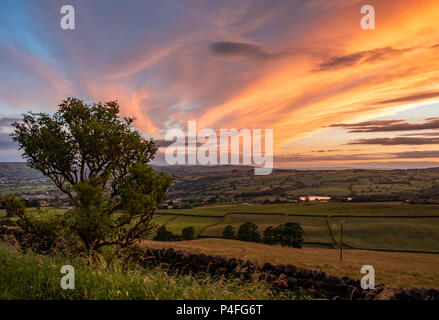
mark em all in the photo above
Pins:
pixel 288 277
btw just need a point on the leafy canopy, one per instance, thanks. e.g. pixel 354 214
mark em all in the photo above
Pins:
pixel 100 162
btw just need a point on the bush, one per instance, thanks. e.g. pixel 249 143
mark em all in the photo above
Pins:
pixel 188 233
pixel 7 222
pixel 13 205
pixel 229 232
pixel 248 232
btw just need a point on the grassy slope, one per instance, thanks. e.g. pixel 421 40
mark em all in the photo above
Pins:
pixel 392 268
pixel 31 276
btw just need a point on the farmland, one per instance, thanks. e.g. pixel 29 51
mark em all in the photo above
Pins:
pixel 324 208
pixel 399 238
pixel 238 184
pixel 314 227
pixel 376 226
pixel 379 226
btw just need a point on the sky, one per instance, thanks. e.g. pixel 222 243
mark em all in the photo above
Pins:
pixel 334 94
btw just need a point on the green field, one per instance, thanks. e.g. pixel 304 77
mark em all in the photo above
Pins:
pixel 381 225
pixel 176 223
pixel 411 234
pixel 323 208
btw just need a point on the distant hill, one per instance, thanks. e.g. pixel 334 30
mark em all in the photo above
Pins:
pixel 231 183
pixel 187 169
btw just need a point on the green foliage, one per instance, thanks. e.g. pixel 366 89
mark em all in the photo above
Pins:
pixel 229 232
pixel 289 234
pixel 100 162
pixel 164 235
pixel 248 232
pixel 188 233
pixel 7 222
pixel 269 236
pixel 13 205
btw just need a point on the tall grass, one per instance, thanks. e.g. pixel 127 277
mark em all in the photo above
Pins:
pixel 32 276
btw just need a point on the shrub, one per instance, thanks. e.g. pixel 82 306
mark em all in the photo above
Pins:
pixel 7 222
pixel 13 205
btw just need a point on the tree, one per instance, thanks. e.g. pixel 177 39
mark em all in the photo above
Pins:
pixel 229 232
pixel 100 162
pixel 248 232
pixel 290 234
pixel 188 233
pixel 163 234
pixel 269 236
pixel 13 205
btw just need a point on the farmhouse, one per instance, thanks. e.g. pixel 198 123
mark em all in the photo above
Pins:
pixel 315 198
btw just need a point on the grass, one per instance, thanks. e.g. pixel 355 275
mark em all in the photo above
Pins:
pixel 379 225
pixel 32 276
pixel 396 269
pixel 415 234
pixel 35 211
pixel 314 227
pixel 176 223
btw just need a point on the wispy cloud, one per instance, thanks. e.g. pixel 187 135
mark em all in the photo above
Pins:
pixel 389 125
pixel 412 97
pixel 167 63
pixel 397 141
pixel 240 49
pixel 367 56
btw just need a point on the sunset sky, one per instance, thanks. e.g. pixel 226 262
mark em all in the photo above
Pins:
pixel 334 94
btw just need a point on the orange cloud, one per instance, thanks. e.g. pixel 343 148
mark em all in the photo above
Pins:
pixel 395 60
